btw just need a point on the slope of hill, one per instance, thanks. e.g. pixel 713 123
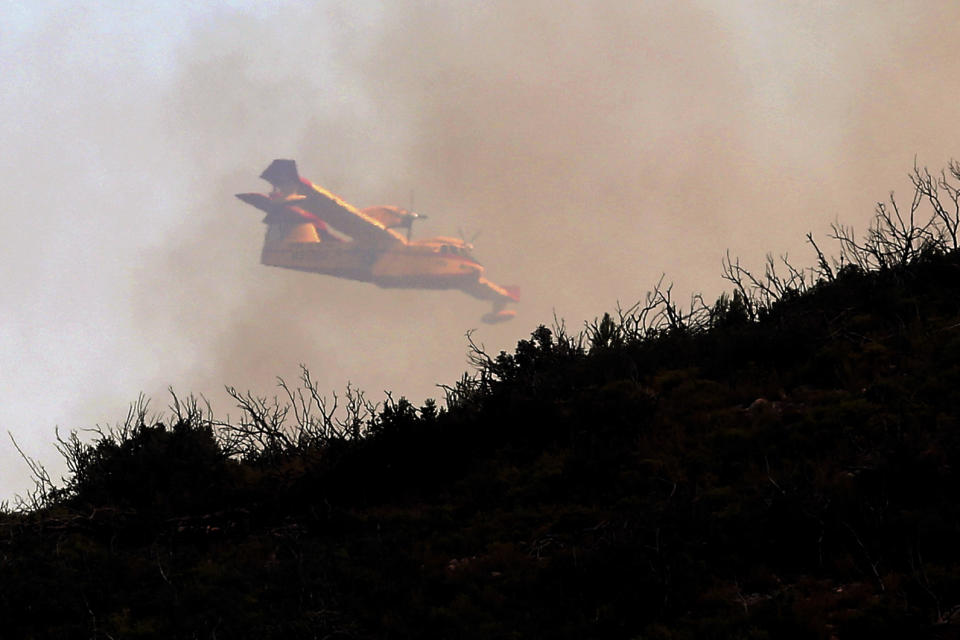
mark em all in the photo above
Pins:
pixel 758 468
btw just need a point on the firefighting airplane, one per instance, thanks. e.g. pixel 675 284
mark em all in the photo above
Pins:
pixel 298 237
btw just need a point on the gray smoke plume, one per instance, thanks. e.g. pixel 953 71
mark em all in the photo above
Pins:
pixel 593 145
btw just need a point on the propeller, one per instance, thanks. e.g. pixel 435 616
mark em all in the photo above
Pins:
pixel 411 217
pixel 463 236
pixel 409 220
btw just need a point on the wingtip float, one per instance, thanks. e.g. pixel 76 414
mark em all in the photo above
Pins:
pixel 311 229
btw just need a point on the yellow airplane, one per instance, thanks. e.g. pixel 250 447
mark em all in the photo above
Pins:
pixel 364 244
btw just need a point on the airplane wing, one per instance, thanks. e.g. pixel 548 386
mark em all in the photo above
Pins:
pixel 281 210
pixel 341 215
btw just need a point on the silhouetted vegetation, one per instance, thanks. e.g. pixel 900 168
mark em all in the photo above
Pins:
pixel 782 463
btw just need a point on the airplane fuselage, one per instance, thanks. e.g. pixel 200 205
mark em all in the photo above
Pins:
pixel 403 265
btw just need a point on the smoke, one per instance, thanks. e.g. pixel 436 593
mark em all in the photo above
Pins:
pixel 593 146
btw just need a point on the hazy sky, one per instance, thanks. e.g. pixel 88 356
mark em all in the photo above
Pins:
pixel 595 145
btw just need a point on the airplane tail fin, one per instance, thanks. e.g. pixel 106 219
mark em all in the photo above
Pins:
pixel 281 172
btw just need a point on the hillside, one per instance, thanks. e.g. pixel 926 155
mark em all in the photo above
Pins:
pixel 783 463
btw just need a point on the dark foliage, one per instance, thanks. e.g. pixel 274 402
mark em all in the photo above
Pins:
pixel 781 464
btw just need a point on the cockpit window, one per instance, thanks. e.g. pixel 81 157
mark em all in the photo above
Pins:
pixel 449 249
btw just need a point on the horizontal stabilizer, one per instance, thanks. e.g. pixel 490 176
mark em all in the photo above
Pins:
pixel 266 203
pixel 259 200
